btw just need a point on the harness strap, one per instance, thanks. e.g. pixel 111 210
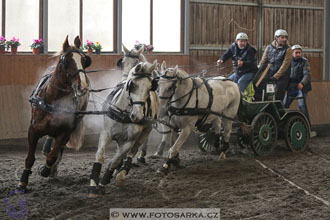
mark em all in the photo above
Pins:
pixel 201 121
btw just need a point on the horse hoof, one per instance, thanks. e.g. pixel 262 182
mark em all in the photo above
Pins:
pixel 22 188
pixel 43 170
pixel 163 171
pixel 93 192
pixel 101 189
pixel 222 156
pixel 141 159
pixel 120 178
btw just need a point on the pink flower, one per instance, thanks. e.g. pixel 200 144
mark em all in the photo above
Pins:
pixel 41 40
pixel 137 42
pixel 15 39
pixel 2 38
pixel 35 41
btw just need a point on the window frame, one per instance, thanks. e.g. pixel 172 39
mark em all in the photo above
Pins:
pixel 117 22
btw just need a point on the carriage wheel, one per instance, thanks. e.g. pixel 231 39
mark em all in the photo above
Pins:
pixel 242 139
pixel 264 134
pixel 296 133
pixel 209 142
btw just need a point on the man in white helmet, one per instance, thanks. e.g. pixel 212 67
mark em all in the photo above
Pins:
pixel 279 55
pixel 243 59
pixel 300 79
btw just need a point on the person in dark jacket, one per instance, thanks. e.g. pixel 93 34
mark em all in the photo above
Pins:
pixel 279 55
pixel 300 79
pixel 244 61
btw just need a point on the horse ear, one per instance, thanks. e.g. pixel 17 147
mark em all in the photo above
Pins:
pixel 126 51
pixel 66 44
pixel 141 50
pixel 163 66
pixel 154 65
pixel 138 67
pixel 176 69
pixel 77 42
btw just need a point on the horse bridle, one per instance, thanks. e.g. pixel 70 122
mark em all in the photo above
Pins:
pixel 128 87
pixel 172 87
pixel 63 63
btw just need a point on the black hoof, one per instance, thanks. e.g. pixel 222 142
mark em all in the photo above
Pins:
pixel 93 191
pixel 163 170
pixel 106 178
pixel 101 189
pixel 141 159
pixel 175 161
pixel 22 189
pixel 44 171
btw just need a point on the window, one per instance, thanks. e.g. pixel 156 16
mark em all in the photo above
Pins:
pixel 22 21
pixel 166 25
pixel 63 20
pixel 135 22
pixel 98 22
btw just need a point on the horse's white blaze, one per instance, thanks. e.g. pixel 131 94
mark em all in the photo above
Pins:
pixel 77 58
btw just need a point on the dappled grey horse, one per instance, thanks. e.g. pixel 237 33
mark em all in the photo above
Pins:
pixel 132 108
pixel 130 59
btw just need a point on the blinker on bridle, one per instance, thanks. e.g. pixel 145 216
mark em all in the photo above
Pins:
pixel 63 63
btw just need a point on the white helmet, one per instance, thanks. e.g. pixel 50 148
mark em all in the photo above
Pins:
pixel 242 36
pixel 297 46
pixel 280 32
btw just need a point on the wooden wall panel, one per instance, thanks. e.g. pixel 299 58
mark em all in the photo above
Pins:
pixel 318 3
pixel 217 25
pixel 305 27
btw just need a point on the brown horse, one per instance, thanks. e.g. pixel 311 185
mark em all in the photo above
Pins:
pixel 54 106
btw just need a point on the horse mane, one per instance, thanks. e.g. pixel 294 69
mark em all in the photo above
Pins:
pixel 181 73
pixel 142 58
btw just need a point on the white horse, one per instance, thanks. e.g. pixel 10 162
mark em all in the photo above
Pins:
pixel 129 105
pixel 189 103
pixel 131 58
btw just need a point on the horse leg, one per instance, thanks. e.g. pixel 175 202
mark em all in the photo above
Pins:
pixel 227 124
pixel 173 157
pixel 141 158
pixel 53 170
pixel 46 148
pixel 127 162
pixel 29 161
pixel 161 146
pixel 44 170
pixel 104 140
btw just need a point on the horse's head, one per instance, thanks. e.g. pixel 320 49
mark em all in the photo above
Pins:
pixel 72 66
pixel 167 86
pixel 139 83
pixel 131 58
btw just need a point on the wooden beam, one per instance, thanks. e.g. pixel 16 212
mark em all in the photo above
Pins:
pixel 3 25
pixel 81 20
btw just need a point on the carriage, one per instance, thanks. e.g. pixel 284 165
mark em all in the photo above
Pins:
pixel 267 121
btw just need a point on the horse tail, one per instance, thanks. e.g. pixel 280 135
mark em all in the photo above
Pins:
pixel 77 136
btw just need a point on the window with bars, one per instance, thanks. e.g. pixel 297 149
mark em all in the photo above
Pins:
pixel 156 22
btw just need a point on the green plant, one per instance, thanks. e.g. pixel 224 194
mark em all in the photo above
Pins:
pixel 2 42
pixel 97 46
pixel 89 45
pixel 14 42
pixel 147 48
pixel 37 43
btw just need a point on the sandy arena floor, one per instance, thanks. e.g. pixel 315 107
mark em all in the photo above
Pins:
pixel 281 186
